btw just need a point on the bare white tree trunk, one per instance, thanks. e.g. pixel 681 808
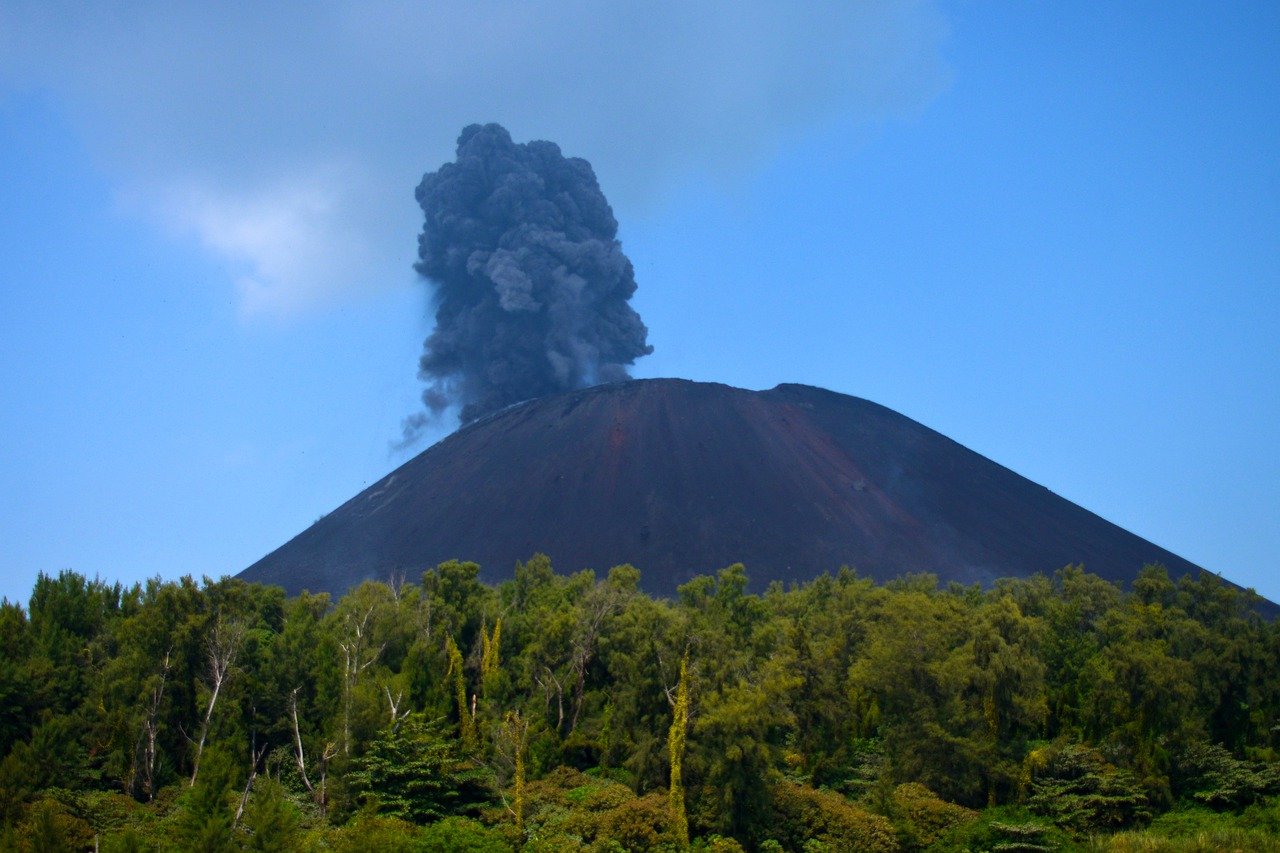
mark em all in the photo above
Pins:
pixel 599 604
pixel 221 649
pixel 559 691
pixel 356 658
pixel 151 730
pixel 256 756
pixel 394 702
pixel 298 754
pixel 395 582
pixel 330 750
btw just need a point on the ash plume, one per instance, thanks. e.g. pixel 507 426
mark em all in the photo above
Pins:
pixel 530 283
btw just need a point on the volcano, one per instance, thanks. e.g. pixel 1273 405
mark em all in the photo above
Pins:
pixel 682 478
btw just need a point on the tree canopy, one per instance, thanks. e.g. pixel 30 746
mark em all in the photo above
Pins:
pixel 575 712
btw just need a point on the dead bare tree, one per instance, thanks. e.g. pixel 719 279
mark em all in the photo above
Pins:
pixel 221 647
pixel 317 792
pixel 255 756
pixel 356 658
pixel 330 750
pixel 547 686
pixel 299 755
pixel 151 728
pixel 395 582
pixel 599 604
pixel 426 610
pixel 394 702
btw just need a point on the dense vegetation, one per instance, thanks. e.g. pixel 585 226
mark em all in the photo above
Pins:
pixel 562 713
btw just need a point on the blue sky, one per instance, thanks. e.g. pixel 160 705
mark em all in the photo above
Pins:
pixel 1050 231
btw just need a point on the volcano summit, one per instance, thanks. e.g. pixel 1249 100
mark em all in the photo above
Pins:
pixel 682 478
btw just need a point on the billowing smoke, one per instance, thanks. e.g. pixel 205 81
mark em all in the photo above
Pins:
pixel 530 284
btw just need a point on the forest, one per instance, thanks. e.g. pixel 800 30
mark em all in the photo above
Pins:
pixel 574 712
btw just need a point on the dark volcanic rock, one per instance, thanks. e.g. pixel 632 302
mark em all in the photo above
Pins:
pixel 682 478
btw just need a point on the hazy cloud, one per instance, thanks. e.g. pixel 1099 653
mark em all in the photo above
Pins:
pixel 288 137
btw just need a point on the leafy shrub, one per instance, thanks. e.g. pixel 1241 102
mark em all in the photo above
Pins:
pixel 924 816
pixel 1263 816
pixel 1079 790
pixel 372 832
pixel 569 787
pixel 802 814
pixel 1216 778
pixel 1020 838
pixel 720 844
pixel 105 811
pixel 641 823
pixel 1004 829
pixel 461 835
pixel 49 826
pixel 568 810
pixel 128 841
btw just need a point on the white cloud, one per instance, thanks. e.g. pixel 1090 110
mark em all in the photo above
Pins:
pixel 290 244
pixel 288 137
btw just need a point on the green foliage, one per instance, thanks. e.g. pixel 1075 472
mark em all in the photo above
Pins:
pixel 415 772
pixel 372 832
pixel 1080 791
pixel 128 841
pixel 461 835
pixel 57 757
pixel 1006 829
pixel 271 820
pixel 1216 778
pixel 66 614
pixel 1020 838
pixel 205 817
pixel 720 844
pixel 675 748
pixel 832 714
pixel 1195 829
pixel 17 685
pixel 569 810
pixel 921 818
pixel 51 828
pixel 641 823
pixel 800 815
pixel 18 775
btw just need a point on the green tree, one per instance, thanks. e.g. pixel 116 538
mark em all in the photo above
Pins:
pixel 910 686
pixel 205 814
pixel 1007 682
pixel 1215 777
pixel 66 614
pixel 675 747
pixel 17 688
pixel 271 819
pixel 414 771
pixel 737 741
pixel 1076 787
pixel 1073 614
pixel 461 835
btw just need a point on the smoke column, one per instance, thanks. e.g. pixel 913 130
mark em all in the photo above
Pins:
pixel 529 281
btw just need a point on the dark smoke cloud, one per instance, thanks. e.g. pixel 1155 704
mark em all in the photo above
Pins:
pixel 530 284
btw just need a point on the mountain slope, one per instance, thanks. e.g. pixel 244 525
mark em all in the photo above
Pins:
pixel 682 478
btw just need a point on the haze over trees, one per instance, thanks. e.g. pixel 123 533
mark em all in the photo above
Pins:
pixel 576 712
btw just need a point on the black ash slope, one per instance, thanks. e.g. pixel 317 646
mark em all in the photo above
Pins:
pixel 682 478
